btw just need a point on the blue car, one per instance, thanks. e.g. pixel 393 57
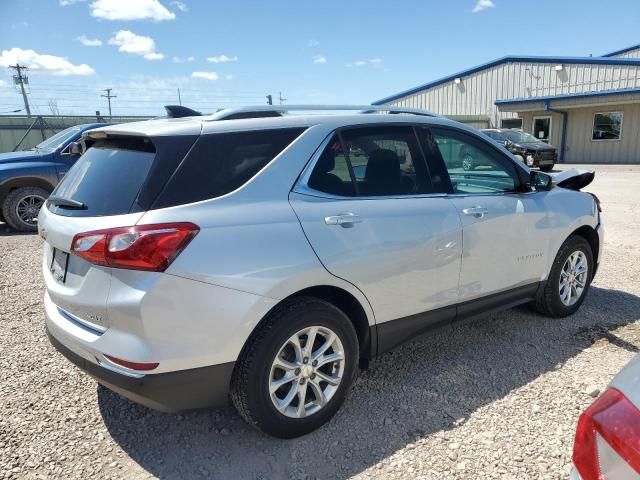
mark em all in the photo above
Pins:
pixel 28 177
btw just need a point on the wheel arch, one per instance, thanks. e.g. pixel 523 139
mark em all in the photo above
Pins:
pixel 591 236
pixel 29 181
pixel 345 301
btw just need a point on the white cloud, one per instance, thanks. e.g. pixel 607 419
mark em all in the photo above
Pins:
pixel 376 62
pixel 66 3
pixel 44 63
pixel 483 5
pixel 2 83
pixel 319 59
pixel 314 43
pixel 228 76
pixel 182 60
pixel 129 42
pixel 131 10
pixel 222 59
pixel 88 42
pixel 180 6
pixel 205 75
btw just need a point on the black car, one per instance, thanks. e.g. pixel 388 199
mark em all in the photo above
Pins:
pixel 526 147
pixel 28 177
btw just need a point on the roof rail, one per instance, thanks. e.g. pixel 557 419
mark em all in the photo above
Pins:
pixel 260 110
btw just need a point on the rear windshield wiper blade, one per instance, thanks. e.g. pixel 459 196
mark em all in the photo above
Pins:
pixel 66 202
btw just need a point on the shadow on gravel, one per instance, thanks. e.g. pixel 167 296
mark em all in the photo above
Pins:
pixel 430 385
pixel 7 231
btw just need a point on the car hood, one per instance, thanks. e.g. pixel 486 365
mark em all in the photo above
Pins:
pixel 538 147
pixel 573 179
pixel 24 156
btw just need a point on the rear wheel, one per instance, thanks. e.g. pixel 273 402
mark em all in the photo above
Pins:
pixel 21 207
pixel 569 279
pixel 547 168
pixel 296 369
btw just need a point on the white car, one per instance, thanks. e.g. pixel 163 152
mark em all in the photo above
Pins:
pixel 187 260
pixel 607 442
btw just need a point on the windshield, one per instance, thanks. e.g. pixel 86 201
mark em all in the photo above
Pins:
pixel 497 136
pixel 517 136
pixel 58 139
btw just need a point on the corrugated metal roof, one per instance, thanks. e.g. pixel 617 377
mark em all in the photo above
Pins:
pixel 514 59
pixel 621 51
pixel 604 93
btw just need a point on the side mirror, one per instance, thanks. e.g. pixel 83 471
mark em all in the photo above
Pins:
pixel 74 149
pixel 541 181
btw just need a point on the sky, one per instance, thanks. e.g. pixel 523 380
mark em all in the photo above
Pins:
pixel 233 53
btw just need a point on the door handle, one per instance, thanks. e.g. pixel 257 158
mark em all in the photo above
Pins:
pixel 344 219
pixel 476 212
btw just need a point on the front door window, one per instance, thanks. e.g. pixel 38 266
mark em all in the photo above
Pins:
pixel 542 128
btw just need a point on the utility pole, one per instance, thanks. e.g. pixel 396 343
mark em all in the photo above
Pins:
pixel 282 100
pixel 21 79
pixel 179 98
pixel 269 99
pixel 108 96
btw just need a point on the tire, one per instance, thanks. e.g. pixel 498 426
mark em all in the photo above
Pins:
pixel 549 301
pixel 467 162
pixel 547 168
pixel 255 371
pixel 31 198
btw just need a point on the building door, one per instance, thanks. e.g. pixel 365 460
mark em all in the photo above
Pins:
pixel 542 128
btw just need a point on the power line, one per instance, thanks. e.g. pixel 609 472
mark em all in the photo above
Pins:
pixel 108 96
pixel 19 78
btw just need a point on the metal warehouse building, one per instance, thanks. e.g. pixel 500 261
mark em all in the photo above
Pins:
pixel 589 107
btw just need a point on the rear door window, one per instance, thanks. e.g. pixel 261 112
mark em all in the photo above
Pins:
pixel 221 163
pixel 372 162
pixel 107 178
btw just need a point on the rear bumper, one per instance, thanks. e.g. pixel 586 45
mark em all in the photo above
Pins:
pixel 167 392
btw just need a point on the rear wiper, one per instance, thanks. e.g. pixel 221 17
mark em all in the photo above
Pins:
pixel 66 202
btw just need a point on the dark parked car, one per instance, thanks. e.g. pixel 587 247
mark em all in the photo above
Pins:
pixel 28 177
pixel 528 149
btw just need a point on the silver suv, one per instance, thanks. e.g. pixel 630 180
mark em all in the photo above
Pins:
pixel 190 260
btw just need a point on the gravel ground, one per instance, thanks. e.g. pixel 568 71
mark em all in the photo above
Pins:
pixel 497 398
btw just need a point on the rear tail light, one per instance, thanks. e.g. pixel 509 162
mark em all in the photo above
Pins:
pixel 141 247
pixel 617 421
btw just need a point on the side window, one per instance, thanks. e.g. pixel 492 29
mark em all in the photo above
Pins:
pixel 386 161
pixel 331 172
pixel 222 162
pixel 473 165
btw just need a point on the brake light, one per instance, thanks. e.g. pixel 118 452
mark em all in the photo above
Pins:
pixel 140 247
pixel 617 421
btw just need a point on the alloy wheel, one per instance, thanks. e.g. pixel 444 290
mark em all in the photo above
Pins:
pixel 28 207
pixel 573 278
pixel 306 372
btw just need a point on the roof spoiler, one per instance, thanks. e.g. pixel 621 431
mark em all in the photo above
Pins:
pixel 178 111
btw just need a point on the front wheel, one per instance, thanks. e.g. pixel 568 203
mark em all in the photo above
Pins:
pixel 296 369
pixel 21 207
pixel 569 279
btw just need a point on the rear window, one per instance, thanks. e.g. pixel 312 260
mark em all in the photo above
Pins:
pixel 107 178
pixel 220 163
